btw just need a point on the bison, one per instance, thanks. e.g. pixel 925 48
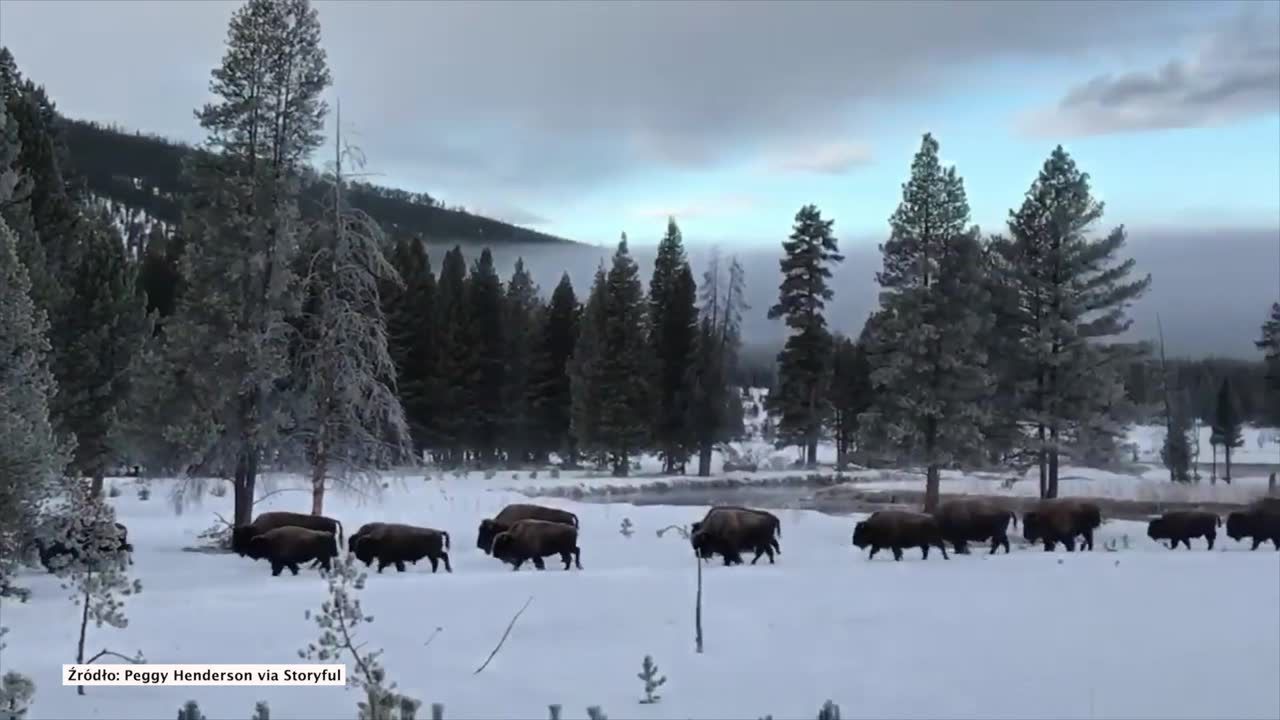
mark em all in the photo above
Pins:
pixel 511 514
pixel 1180 526
pixel 730 530
pixel 974 520
pixel 396 544
pixel 899 529
pixel 289 545
pixel 1260 521
pixel 1060 520
pixel 364 530
pixel 242 535
pixel 534 540
pixel 113 541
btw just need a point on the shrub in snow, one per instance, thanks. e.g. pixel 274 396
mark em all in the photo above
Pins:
pixel 627 528
pixel 652 680
pixel 595 713
pixel 144 493
pixel 218 491
pixel 261 711
pixel 490 474
pixel 533 474
pixel 339 620
pixel 16 690
pixel 190 711
pixel 829 711
pixel 555 473
pixel 113 491
pixel 515 476
pixel 554 711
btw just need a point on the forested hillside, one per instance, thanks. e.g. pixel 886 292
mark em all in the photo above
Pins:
pixel 141 173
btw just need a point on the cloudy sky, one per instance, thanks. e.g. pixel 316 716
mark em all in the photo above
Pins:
pixel 588 119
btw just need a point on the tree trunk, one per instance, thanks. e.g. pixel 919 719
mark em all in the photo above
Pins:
pixel 1226 463
pixel 246 478
pixel 811 460
pixel 1213 472
pixel 697 608
pixel 932 477
pixel 1053 463
pixel 1042 466
pixel 95 488
pixel 704 460
pixel 84 626
pixel 317 489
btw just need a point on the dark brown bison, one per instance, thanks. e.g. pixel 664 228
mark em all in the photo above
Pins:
pixel 536 539
pixel 62 550
pixel 1260 521
pixel 967 520
pixel 396 544
pixel 728 530
pixel 1179 526
pixel 512 514
pixel 289 545
pixel 899 529
pixel 242 535
pixel 364 530
pixel 1060 520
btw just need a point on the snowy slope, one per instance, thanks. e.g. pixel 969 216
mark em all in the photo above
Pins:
pixel 1143 632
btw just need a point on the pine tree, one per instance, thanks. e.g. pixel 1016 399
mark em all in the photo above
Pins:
pixel 486 374
pixel 550 388
pixel 1175 452
pixel 31 457
pixel 586 382
pixel 454 349
pixel 349 416
pixel 1227 427
pixel 804 370
pixel 411 338
pixel 928 361
pixel 99 334
pixel 1269 343
pixel 1072 293
pixel 228 344
pixel 673 326
pixel 714 408
pixel 850 393
pixel 521 313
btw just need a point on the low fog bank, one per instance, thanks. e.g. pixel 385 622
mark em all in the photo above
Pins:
pixel 1211 290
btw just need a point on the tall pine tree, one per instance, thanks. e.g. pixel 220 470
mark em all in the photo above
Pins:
pixel 521 311
pixel 585 373
pixel 411 338
pixel 1227 426
pixel 452 387
pixel 928 361
pixel 1072 294
pixel 228 346
pixel 550 389
pixel 850 394
pixel 1269 344
pixel 486 375
pixel 673 325
pixel 802 403
pixel 715 409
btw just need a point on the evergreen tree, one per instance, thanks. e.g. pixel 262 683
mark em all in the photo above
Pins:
pixel 850 393
pixel 521 312
pixel 673 326
pixel 100 334
pixel 228 344
pixel 624 364
pixel 1227 428
pixel 928 365
pixel 160 274
pixel 1269 343
pixel 715 409
pixel 802 403
pixel 585 373
pixel 31 457
pixel 452 386
pixel 486 375
pixel 411 338
pixel 1072 293
pixel 349 418
pixel 1175 452
pixel 550 388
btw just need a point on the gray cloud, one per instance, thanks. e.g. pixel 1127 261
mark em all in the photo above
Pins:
pixel 834 158
pixel 709 206
pixel 530 103
pixel 1234 73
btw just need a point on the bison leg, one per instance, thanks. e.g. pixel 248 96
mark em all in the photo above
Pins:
pixel 897 553
pixel 962 547
pixel 276 568
pixel 874 550
pixel 399 566
pixel 435 563
pixel 943 549
pixel 1257 542
pixel 1070 544
pixel 1088 540
pixel 577 557
pixel 924 551
pixel 445 556
pixel 1049 545
pixel 1210 537
pixel 382 564
pixel 537 562
pixel 566 557
pixel 293 568
pixel 324 563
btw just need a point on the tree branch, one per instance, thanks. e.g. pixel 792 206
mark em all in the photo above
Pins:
pixel 105 652
pixel 504 636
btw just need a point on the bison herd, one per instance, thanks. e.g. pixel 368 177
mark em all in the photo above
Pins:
pixel 524 532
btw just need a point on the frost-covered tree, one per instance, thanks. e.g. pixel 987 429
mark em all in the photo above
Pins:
pixel 228 345
pixel 340 621
pixel 927 356
pixel 1227 426
pixel 31 457
pixel 802 403
pixel 1175 451
pixel 16 691
pixel 673 326
pixel 349 416
pixel 652 678
pixel 551 395
pixel 1072 294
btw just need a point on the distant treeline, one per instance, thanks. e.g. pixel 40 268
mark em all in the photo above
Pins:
pixel 1197 382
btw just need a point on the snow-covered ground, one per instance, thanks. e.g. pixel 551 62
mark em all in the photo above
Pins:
pixel 1142 632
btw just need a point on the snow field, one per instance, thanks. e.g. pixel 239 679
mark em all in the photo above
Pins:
pixel 1147 632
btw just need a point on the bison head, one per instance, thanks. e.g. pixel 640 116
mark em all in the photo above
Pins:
pixel 860 535
pixel 241 537
pixel 701 544
pixel 501 546
pixel 363 550
pixel 488 530
pixel 1031 526
pixel 256 548
pixel 1157 529
pixel 1239 525
pixel 351 543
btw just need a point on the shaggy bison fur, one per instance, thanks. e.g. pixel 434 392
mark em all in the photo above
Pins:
pixel 1179 526
pixel 899 529
pixel 1060 520
pixel 243 535
pixel 113 542
pixel 1260 521
pixel 287 546
pixel 727 531
pixel 364 530
pixel 512 514
pixel 396 544
pixel 969 520
pixel 535 539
